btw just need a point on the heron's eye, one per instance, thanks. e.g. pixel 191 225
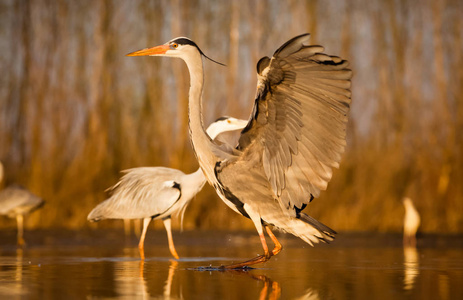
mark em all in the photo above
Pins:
pixel 174 45
pixel 228 121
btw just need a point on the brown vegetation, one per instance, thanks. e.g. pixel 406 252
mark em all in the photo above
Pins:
pixel 74 111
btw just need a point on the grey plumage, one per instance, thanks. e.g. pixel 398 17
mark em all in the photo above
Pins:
pixel 152 193
pixel 295 136
pixel 15 202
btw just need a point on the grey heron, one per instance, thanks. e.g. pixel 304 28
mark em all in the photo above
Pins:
pixel 411 223
pixel 15 202
pixel 294 138
pixel 152 193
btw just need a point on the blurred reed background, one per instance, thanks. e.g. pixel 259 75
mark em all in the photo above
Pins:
pixel 74 111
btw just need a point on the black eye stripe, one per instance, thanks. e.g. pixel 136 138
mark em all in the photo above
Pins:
pixel 184 41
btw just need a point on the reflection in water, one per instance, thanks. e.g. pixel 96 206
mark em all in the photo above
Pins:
pixel 275 288
pixel 168 285
pixel 332 272
pixel 130 278
pixel 12 278
pixel 309 295
pixel 131 282
pixel 411 267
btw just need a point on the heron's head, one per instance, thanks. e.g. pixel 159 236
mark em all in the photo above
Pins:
pixel 180 47
pixel 224 124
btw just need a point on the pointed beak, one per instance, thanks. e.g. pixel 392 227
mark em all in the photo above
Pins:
pixel 158 50
pixel 242 123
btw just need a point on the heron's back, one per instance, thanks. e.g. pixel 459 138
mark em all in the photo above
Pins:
pixel 141 193
pixel 18 201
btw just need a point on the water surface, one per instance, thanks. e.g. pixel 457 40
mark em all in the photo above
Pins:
pixel 104 265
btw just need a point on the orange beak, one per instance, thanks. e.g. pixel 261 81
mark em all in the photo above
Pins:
pixel 150 51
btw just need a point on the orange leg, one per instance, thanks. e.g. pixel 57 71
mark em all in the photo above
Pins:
pixel 141 244
pixel 278 246
pixel 20 222
pixel 169 237
pixel 261 258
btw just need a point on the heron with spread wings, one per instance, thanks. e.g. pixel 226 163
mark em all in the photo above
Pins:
pixel 152 193
pixel 294 138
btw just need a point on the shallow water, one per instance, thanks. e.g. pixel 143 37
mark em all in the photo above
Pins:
pixel 95 265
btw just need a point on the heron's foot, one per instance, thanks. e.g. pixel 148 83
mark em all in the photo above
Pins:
pixel 174 252
pixel 243 265
pixel 142 252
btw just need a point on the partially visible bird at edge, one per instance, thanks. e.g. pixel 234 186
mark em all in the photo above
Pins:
pixel 152 193
pixel 16 202
pixel 295 136
pixel 411 223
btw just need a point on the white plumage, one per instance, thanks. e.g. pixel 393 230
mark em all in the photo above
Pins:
pixel 411 222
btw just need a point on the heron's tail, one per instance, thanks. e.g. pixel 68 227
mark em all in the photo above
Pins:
pixel 310 230
pixel 97 213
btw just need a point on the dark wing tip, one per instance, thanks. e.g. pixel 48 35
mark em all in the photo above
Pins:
pixel 292 45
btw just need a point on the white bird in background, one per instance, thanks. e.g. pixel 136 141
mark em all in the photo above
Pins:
pixel 15 202
pixel 411 223
pixel 295 136
pixel 152 193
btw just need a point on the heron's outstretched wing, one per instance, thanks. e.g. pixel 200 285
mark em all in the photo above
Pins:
pixel 141 193
pixel 298 124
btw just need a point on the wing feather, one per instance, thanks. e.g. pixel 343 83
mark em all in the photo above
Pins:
pixel 299 120
pixel 141 193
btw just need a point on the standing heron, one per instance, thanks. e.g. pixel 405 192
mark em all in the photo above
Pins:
pixel 152 193
pixel 295 136
pixel 411 223
pixel 15 202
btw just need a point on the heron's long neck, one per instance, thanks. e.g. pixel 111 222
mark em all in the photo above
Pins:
pixel 202 144
pixel 196 180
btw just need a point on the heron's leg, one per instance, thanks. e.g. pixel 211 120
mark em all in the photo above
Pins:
pixel 20 222
pixel 278 246
pixel 141 244
pixel 255 217
pixel 169 237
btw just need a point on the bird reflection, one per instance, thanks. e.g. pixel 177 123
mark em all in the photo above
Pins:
pixel 275 289
pixel 168 285
pixel 129 279
pixel 132 282
pixel 411 267
pixel 310 294
pixel 12 278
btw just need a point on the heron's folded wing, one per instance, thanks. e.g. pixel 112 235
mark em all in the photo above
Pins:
pixel 17 199
pixel 141 193
pixel 299 119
